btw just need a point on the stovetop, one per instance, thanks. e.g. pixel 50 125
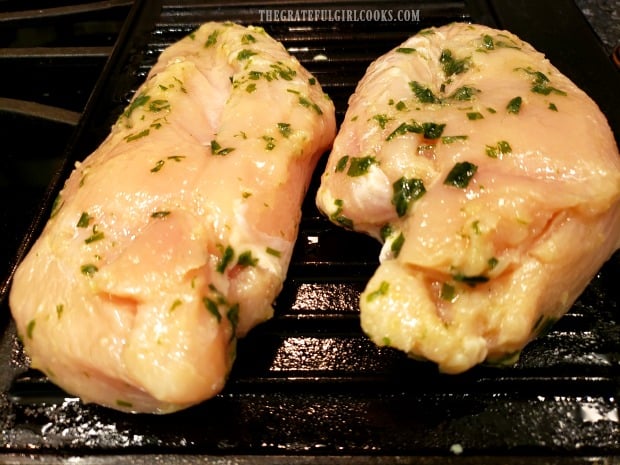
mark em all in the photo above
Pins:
pixel 301 389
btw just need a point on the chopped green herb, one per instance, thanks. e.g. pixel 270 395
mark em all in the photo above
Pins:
pixel 509 44
pixel 246 259
pixel 423 94
pixel 401 106
pixel 89 269
pixel 474 115
pixel 183 89
pixel 514 106
pixel 216 149
pixel 312 81
pixel 452 139
pixel 461 174
pixel 464 93
pixel 344 221
pixel 255 75
pixel 95 236
pixel 404 128
pixel 309 104
pixel 132 137
pixel 175 304
pixel 491 110
pixel 212 39
pixel 487 42
pixel 158 105
pixel 545 89
pixel 360 165
pixel 552 107
pixel 382 120
pixel 499 149
pixel 492 262
pixel 270 142
pixel 433 130
pixel 56 206
pixel 383 289
pixel 159 165
pixel 448 292
pixel 135 103
pixel 476 226
pixel 247 39
pixel 504 147
pixel 176 158
pixel 397 245
pixel 221 299
pixel 541 83
pixel 405 50
pixel 386 231
pixel 406 191
pixel 227 257
pixel 59 309
pixel 274 252
pixel 212 308
pixel 342 164
pixel 286 73
pixel 338 217
pixel 451 65
pixel 160 214
pixel 30 328
pixel 84 220
pixel 233 317
pixel 245 54
pixel 251 87
pixel 284 129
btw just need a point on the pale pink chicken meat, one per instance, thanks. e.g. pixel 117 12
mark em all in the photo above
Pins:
pixel 174 237
pixel 494 183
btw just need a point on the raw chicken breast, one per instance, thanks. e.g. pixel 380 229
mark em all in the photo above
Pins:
pixel 494 183
pixel 173 238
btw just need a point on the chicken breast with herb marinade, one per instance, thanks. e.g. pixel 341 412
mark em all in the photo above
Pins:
pixel 494 184
pixel 173 238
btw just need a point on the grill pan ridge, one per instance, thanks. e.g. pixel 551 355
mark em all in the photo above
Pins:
pixel 308 384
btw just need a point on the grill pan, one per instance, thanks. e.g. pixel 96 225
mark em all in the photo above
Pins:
pixel 308 387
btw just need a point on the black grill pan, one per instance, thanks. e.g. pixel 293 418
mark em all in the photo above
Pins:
pixel 308 387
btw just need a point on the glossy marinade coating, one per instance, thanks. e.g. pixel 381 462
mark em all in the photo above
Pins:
pixel 494 183
pixel 173 238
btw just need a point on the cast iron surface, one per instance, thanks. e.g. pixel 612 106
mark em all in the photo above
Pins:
pixel 308 384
